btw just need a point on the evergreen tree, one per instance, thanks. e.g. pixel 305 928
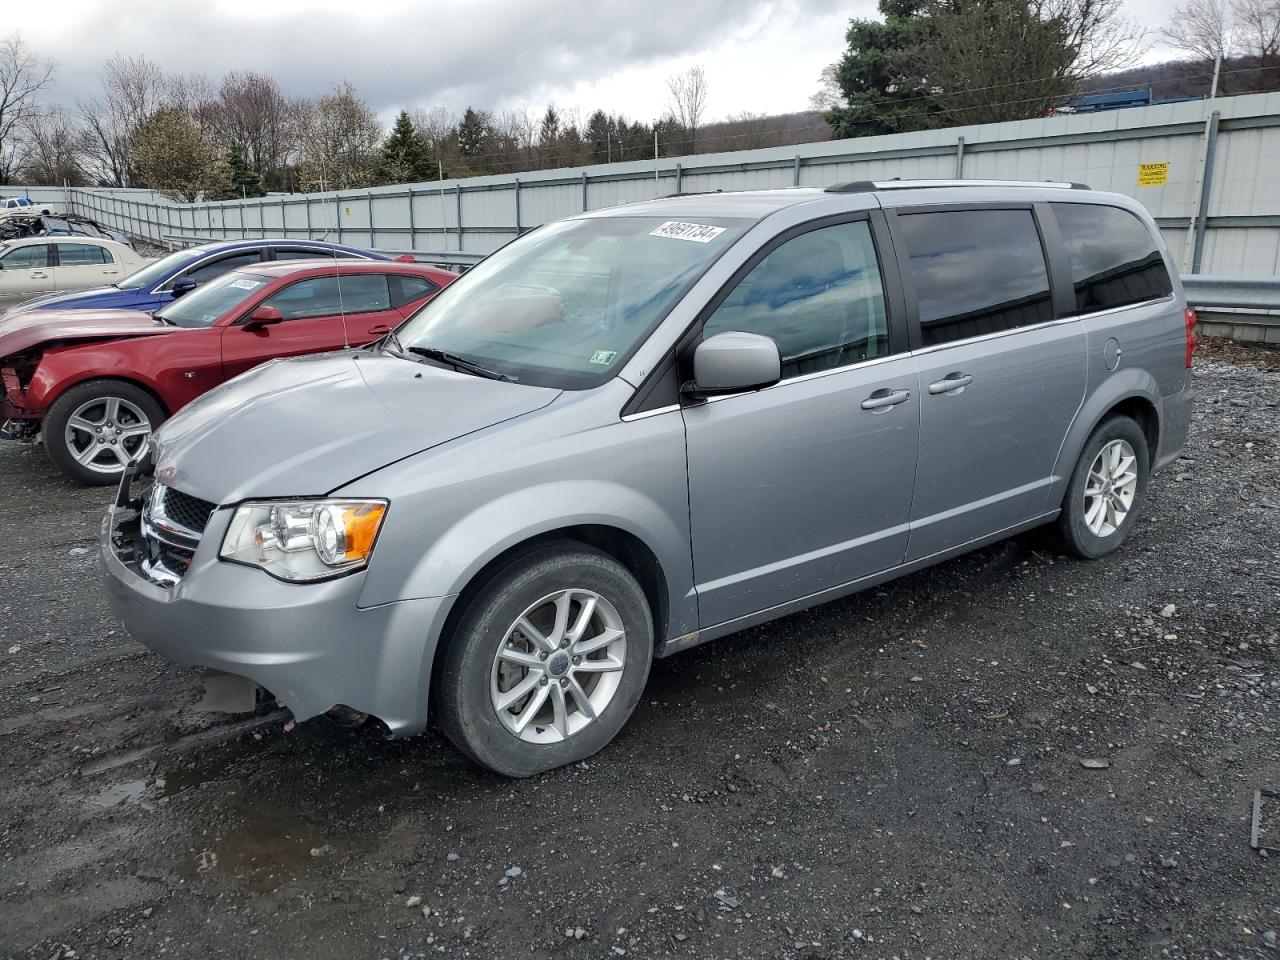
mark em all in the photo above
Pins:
pixel 474 135
pixel 406 158
pixel 245 181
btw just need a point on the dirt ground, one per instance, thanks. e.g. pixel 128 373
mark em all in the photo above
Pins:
pixel 899 774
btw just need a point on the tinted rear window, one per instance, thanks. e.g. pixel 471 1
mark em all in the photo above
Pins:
pixel 976 272
pixel 1114 258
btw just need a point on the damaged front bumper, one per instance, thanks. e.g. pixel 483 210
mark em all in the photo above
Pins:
pixel 311 645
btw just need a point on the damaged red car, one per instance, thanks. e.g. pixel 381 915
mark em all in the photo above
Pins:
pixel 95 383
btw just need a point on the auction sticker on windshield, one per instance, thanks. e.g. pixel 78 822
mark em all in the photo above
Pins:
pixel 604 357
pixel 246 284
pixel 678 230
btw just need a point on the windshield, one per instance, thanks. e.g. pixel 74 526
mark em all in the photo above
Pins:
pixel 566 305
pixel 155 272
pixel 211 300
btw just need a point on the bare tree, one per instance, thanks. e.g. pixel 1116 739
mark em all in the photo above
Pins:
pixel 1202 28
pixel 688 101
pixel 134 88
pixel 53 148
pixel 251 110
pixel 22 76
pixel 339 137
pixel 1258 32
pixel 829 94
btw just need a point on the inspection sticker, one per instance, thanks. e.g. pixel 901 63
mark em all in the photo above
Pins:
pixel 697 232
pixel 604 357
pixel 1153 174
pixel 246 284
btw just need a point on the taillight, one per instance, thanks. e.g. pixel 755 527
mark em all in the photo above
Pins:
pixel 1193 340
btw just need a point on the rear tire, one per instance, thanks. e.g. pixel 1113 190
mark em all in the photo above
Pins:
pixel 1106 490
pixel 95 428
pixel 523 687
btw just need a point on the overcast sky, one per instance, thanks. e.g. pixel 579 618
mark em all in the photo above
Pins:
pixel 759 55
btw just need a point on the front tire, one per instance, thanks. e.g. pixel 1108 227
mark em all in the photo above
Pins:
pixel 95 428
pixel 547 661
pixel 1106 490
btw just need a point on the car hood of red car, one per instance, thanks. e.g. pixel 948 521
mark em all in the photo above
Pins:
pixel 26 330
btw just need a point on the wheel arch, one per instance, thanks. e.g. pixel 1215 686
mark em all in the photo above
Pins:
pixel 625 547
pixel 56 390
pixel 1133 393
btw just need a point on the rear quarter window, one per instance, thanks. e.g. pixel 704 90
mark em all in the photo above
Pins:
pixel 1115 261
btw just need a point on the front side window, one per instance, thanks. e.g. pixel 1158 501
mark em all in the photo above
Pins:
pixel 32 257
pixel 203 306
pixel 1114 258
pixel 153 273
pixel 566 305
pixel 976 272
pixel 332 296
pixel 819 296
pixel 82 255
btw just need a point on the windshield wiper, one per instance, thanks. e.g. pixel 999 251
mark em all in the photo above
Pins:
pixel 461 364
pixel 155 315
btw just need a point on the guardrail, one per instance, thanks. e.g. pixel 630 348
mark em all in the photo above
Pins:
pixel 1250 293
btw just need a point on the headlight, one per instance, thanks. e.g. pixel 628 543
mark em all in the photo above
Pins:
pixel 304 539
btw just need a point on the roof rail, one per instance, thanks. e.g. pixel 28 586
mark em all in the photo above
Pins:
pixel 871 186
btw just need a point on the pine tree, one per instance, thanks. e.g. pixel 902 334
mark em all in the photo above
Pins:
pixel 406 158
pixel 245 181
pixel 474 136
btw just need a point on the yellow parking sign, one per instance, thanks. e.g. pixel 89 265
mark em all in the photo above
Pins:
pixel 1153 174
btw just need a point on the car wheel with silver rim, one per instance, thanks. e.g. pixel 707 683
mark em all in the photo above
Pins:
pixel 1106 489
pixel 546 662
pixel 93 430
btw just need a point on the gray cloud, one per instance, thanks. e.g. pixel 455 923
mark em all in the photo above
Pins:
pixel 452 52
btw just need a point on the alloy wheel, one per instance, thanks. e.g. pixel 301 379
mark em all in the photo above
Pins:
pixel 105 433
pixel 1110 488
pixel 558 666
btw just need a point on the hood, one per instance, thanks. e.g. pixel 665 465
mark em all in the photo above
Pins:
pixel 30 329
pixel 306 426
pixel 78 299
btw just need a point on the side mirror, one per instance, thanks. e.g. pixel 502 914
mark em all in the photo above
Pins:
pixel 185 285
pixel 263 317
pixel 729 362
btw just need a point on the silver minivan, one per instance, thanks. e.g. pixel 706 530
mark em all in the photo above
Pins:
pixel 639 429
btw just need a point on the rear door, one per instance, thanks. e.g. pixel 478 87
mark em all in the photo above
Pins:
pixel 83 265
pixel 25 271
pixel 320 313
pixel 805 485
pixel 1002 369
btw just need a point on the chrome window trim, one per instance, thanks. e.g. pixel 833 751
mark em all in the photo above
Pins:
pixel 816 374
pixel 996 335
pixel 1128 306
pixel 643 414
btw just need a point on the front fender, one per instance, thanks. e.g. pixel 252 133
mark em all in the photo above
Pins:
pixel 61 369
pixel 1121 385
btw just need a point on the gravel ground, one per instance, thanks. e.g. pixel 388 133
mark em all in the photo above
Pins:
pixel 899 774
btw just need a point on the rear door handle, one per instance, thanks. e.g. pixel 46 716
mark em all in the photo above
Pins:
pixel 39 275
pixel 951 383
pixel 885 398
pixel 110 273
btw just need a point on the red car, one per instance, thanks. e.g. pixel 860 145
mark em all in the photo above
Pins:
pixel 95 383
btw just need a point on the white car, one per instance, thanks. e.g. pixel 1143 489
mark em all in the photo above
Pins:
pixel 35 265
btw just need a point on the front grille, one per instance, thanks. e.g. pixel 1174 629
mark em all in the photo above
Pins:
pixel 156 529
pixel 192 512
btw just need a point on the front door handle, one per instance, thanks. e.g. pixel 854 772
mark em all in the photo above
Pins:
pixel 110 273
pixel 883 399
pixel 951 383
pixel 39 275
pixel 379 330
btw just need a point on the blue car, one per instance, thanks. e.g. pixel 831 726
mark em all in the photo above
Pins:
pixel 182 271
